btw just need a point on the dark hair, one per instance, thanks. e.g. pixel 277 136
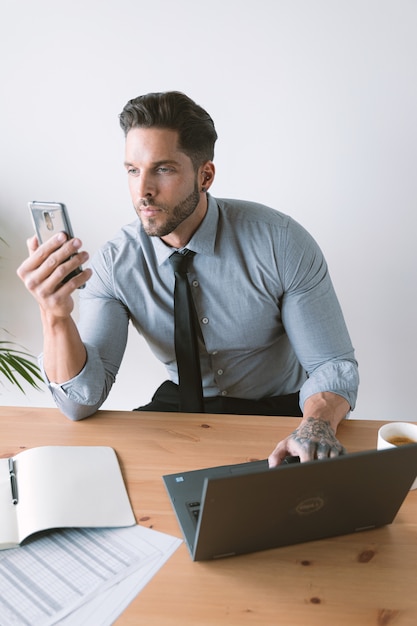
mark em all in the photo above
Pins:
pixel 175 111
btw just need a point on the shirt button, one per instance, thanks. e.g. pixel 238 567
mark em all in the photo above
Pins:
pixel 224 393
pixel 220 372
pixel 205 320
pixel 195 283
pixel 214 352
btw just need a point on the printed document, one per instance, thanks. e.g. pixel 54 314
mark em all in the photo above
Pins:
pixel 66 575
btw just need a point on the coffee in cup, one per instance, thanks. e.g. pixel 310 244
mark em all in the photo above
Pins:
pixel 397 434
pixel 399 440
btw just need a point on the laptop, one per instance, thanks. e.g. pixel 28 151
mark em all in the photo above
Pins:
pixel 236 509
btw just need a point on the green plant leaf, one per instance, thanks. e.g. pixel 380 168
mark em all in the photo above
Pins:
pixel 16 364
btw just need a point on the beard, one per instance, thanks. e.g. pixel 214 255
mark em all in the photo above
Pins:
pixel 174 216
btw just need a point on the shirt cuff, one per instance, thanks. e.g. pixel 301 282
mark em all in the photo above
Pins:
pixel 340 377
pixel 86 388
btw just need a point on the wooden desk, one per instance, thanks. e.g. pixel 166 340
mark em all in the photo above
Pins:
pixel 369 578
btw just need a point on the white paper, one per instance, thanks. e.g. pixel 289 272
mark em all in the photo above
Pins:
pixel 64 574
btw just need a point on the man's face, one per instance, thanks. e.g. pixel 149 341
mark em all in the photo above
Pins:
pixel 162 181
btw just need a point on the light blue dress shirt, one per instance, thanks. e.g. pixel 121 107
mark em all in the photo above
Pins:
pixel 270 320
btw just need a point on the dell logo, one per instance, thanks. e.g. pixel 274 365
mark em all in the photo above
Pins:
pixel 310 505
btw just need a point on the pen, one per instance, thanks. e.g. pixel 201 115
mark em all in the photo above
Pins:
pixel 13 482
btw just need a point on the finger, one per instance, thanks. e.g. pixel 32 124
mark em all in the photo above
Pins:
pixel 26 266
pixel 327 449
pixel 32 244
pixel 39 253
pixel 52 245
pixel 64 289
pixel 337 451
pixel 307 451
pixel 79 278
pixel 51 274
pixel 49 259
pixel 44 276
pixel 278 455
pixel 59 247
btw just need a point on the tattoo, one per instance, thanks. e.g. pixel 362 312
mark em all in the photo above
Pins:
pixel 317 438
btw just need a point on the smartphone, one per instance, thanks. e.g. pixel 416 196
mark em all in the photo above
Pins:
pixel 50 218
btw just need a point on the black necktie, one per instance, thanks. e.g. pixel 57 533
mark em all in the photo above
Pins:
pixel 186 342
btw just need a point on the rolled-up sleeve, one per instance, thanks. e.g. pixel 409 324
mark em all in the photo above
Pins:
pixel 103 328
pixel 340 377
pixel 82 395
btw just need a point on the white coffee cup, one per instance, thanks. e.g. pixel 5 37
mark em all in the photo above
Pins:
pixel 397 434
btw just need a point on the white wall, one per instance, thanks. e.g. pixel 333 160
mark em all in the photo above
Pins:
pixel 315 105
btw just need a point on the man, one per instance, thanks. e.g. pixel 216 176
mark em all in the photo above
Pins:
pixel 272 339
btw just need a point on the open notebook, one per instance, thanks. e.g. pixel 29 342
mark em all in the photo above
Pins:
pixel 61 486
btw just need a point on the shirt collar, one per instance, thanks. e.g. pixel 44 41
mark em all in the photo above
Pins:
pixel 203 240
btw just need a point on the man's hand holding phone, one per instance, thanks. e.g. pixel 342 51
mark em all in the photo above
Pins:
pixel 53 270
pixel 52 273
pixel 46 269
